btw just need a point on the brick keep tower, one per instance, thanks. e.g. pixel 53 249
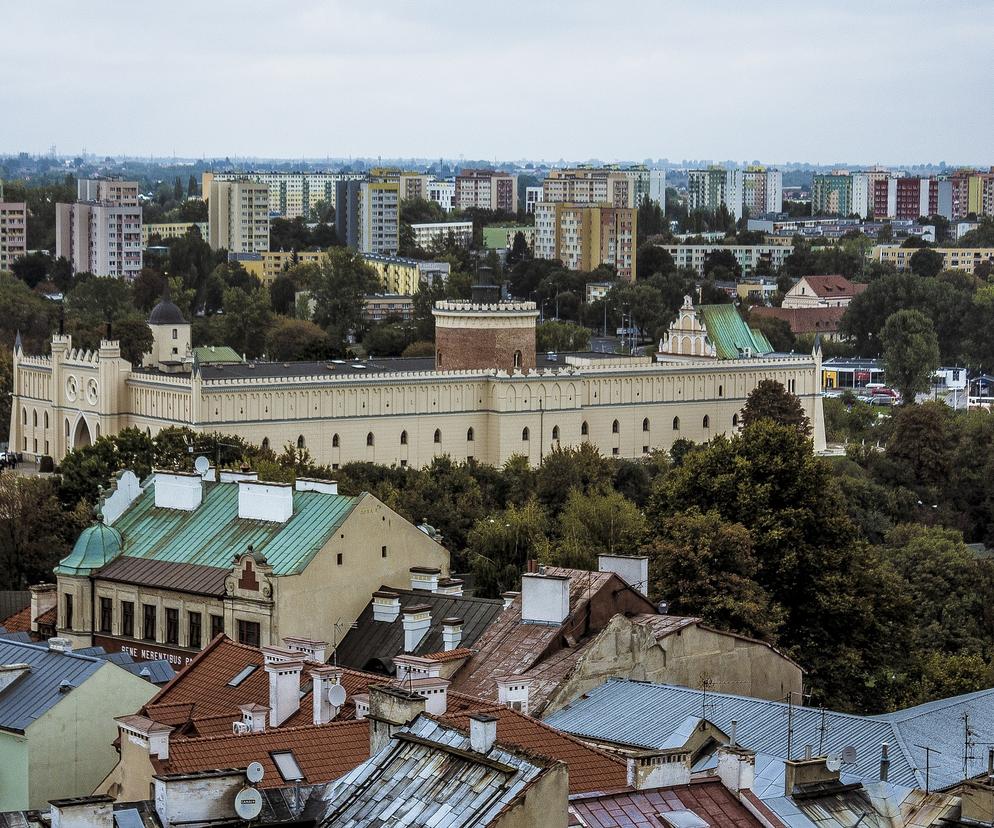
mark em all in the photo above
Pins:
pixel 480 335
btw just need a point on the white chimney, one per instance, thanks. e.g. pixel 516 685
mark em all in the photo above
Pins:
pixel 482 733
pixel 449 586
pixel 235 476
pixel 254 717
pixel 513 691
pixel 60 645
pixel 544 598
pixel 361 702
pixel 284 690
pixel 310 484
pixel 322 679
pixel 451 633
pixel 417 667
pixel 9 673
pixel 425 578
pixel 83 812
pixel 43 598
pixel 152 734
pixel 434 691
pixel 178 490
pixel 417 621
pixel 655 769
pixel 736 768
pixel 268 501
pixel 274 655
pixel 310 649
pixel 509 597
pixel 386 606
pixel 632 569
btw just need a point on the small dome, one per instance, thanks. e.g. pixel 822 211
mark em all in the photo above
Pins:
pixel 166 313
pixel 97 546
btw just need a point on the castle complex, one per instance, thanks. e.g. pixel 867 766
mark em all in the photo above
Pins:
pixel 486 395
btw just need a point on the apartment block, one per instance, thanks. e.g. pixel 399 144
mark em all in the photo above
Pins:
pixel 762 191
pixel 831 194
pixel 584 236
pixel 905 198
pixel 589 185
pixel 379 215
pixel 486 190
pixel 268 265
pixel 714 188
pixel 954 258
pixel 400 275
pixel 13 231
pixel 238 216
pixel 348 196
pixel 748 256
pixel 443 193
pixel 172 230
pixel 291 194
pixel 102 232
pixel 379 307
pixel 533 195
pixel 429 233
pixel 966 192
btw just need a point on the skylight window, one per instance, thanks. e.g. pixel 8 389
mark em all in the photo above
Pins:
pixel 682 818
pixel 244 674
pixel 286 764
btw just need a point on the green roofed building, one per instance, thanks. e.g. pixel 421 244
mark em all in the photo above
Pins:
pixel 712 332
pixel 182 557
pixel 501 236
pixel 215 355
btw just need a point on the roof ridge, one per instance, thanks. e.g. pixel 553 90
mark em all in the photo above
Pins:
pixel 563 733
pixel 44 648
pixel 186 740
pixel 420 593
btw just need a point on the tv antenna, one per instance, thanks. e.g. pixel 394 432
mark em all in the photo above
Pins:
pixel 928 763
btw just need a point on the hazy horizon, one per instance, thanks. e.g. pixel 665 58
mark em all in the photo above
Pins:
pixel 820 83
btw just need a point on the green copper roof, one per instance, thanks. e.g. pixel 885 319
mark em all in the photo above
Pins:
pixel 495 237
pixel 730 334
pixel 213 534
pixel 214 354
pixel 97 545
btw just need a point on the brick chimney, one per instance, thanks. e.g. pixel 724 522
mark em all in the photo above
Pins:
pixel 807 771
pixel 425 578
pixel 322 679
pixel 508 598
pixel 390 709
pixel 268 501
pixel 513 691
pixel 449 586
pixel 308 648
pixel 451 633
pixel 310 484
pixel 83 812
pixel 178 490
pixel 43 598
pixel 736 767
pixel 659 769
pixel 284 689
pixel 254 716
pixel 386 606
pixel 544 598
pixel 632 569
pixel 417 622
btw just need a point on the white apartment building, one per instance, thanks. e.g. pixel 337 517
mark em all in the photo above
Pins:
pixel 762 191
pixel 102 232
pixel 747 255
pixel 716 187
pixel 533 196
pixel 238 216
pixel 291 194
pixel 379 217
pixel 443 193
pixel 426 234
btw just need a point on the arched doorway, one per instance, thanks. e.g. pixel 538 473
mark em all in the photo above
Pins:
pixel 81 436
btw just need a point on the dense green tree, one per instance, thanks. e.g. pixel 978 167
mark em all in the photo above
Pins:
pixel 579 467
pixel 246 320
pixel 926 262
pixel 561 337
pixel 296 339
pixel 910 352
pixel 596 524
pixel 388 338
pixel 652 259
pixel 722 264
pixel 283 294
pixel 6 389
pixel 32 268
pixel 498 547
pixel 769 400
pixel 338 285
pixel 26 312
pixel 135 337
pixel 519 249
pixel 777 331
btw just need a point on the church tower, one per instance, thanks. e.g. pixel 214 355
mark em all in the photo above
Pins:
pixel 171 337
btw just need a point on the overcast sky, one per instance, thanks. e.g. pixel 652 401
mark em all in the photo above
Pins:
pixel 859 81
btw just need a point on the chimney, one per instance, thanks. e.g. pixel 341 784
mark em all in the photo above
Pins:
pixel 513 691
pixel 736 768
pixel 386 606
pixel 153 735
pixel 237 475
pixel 449 586
pixel 253 718
pixel 435 692
pixel 544 598
pixel 275 655
pixel 326 706
pixel 178 490
pixel 415 667
pixel 272 502
pixel 43 598
pixel 361 702
pixel 659 769
pixel 425 578
pixel 310 484
pixel 799 773
pixel 310 649
pixel 531 565
pixel 509 597
pixel 9 673
pixel 884 761
pixel 451 633
pixel 60 645
pixel 632 569
pixel 417 621
pixel 482 733
pixel 284 689
pixel 734 731
pixel 83 812
pixel 390 709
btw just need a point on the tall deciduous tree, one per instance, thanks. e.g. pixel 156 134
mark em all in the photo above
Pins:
pixel 498 546
pixel 910 351
pixel 337 287
pixel 926 262
pixel 771 401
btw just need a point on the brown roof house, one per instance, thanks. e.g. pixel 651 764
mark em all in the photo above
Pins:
pixel 822 292
pixel 806 321
pixel 570 630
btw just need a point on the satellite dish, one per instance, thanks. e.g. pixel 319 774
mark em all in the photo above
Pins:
pixel 248 803
pixel 254 772
pixel 848 755
pixel 202 465
pixel 336 695
pixel 833 762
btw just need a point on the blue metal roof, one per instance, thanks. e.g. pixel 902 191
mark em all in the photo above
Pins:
pixel 646 715
pixel 29 697
pixel 212 534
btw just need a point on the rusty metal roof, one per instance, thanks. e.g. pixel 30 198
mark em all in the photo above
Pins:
pixel 181 577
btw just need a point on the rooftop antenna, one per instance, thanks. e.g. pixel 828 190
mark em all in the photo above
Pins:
pixel 822 730
pixel 706 683
pixel 790 723
pixel 928 763
pixel 968 744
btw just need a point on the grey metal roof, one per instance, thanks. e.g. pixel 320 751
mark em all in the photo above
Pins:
pixel 23 637
pixel 417 784
pixel 158 671
pixel 646 715
pixel 32 695
pixel 379 641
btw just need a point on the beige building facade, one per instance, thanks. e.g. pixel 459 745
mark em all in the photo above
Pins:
pixel 238 216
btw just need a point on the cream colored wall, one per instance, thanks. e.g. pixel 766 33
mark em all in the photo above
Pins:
pixel 70 747
pixel 545 803
pixel 309 605
pixel 131 777
pixel 14 780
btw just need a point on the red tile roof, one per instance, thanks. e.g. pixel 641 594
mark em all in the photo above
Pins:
pixel 49 617
pixel 805 320
pixel 833 285
pixel 18 622
pixel 450 655
pixel 707 798
pixel 589 769
pixel 323 752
